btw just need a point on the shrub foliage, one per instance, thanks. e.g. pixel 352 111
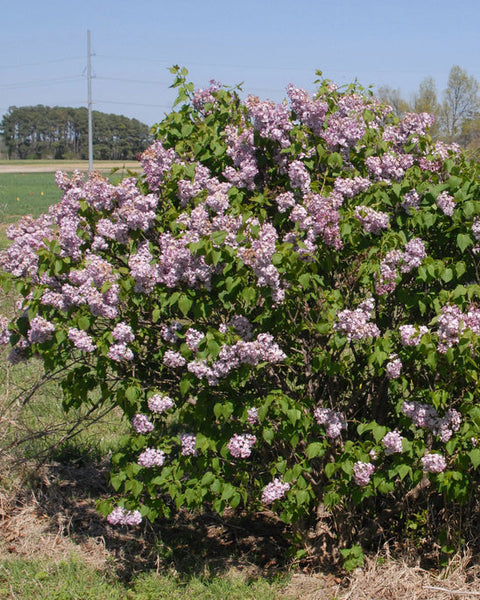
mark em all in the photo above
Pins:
pixel 285 305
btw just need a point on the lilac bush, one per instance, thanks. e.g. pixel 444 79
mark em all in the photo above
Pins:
pixel 284 304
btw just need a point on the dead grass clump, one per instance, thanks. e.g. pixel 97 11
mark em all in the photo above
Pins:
pixel 386 579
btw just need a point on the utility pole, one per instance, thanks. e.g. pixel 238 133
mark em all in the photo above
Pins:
pixel 90 127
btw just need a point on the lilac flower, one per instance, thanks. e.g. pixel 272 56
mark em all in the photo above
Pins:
pixel 450 325
pixel 121 516
pixel 308 111
pixel 156 161
pixel 173 359
pixel 411 200
pixel 299 176
pixel 411 335
pixel 371 220
pixel 332 420
pixel 193 338
pixel 446 203
pixel 120 352
pixel 394 367
pixel 425 416
pixel 151 457
pixel 4 332
pixel 274 491
pixel 141 424
pixel 270 120
pixel 362 473
pixel 252 416
pixel 81 339
pixel 159 403
pixel 392 442
pixel 188 441
pixel 240 446
pixel 434 463
pixel 413 255
pixel 40 331
pixel 123 333
pixel 355 325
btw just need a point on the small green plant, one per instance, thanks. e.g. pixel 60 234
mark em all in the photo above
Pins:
pixel 353 557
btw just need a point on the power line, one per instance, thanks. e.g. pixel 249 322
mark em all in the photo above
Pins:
pixel 132 103
pixel 132 80
pixel 39 82
pixel 38 64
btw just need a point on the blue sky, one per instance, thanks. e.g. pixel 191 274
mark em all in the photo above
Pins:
pixel 266 44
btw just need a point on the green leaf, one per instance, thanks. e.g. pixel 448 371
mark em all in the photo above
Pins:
pixel 315 449
pixel 475 457
pixel 463 241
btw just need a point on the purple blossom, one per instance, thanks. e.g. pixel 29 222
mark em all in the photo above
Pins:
pixel 446 203
pixel 362 473
pixel 156 161
pixel 274 491
pixel 121 516
pixel 411 200
pixel 372 221
pixel 434 463
pixel 160 403
pixel 40 331
pixel 120 352
pixel 392 442
pixel 299 176
pixel 394 367
pixel 252 417
pixel 411 335
pixel 188 441
pixel 123 333
pixel 173 359
pixel 332 420
pixel 81 339
pixel 308 111
pixel 413 255
pixel 193 338
pixel 151 457
pixel 4 332
pixel 355 325
pixel 141 424
pixel 240 446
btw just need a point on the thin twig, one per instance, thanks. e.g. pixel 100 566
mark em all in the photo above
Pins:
pixel 441 589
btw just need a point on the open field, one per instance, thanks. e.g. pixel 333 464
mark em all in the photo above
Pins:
pixel 50 166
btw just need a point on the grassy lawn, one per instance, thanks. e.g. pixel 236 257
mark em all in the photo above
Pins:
pixel 26 193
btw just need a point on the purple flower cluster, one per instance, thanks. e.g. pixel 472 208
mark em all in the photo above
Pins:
pixel 446 203
pixel 252 417
pixel 355 325
pixel 178 265
pixel 409 128
pixel 349 188
pixel 308 111
pixel 411 200
pixel 160 403
pixel 188 441
pixel 240 446
pixel 123 333
pixel 193 337
pixel 372 221
pixel 274 491
pixel 143 272
pixel 394 367
pixel 121 516
pixel 156 162
pixel 40 330
pixel 81 339
pixel 270 120
pixel 241 149
pixel 173 359
pixel 425 416
pixel 299 176
pixel 120 352
pixel 362 473
pixel 141 424
pixel 262 349
pixel 151 457
pixel 206 96
pixel 434 463
pixel 411 335
pixel 392 442
pixel 332 420
pixel 4 332
pixel 390 166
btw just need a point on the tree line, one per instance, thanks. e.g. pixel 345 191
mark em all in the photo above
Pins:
pixel 62 133
pixel 456 110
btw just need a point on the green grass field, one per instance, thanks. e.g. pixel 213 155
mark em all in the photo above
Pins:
pixel 26 193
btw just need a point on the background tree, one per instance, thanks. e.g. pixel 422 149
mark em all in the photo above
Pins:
pixel 393 97
pixel 425 100
pixel 461 102
pixel 59 132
